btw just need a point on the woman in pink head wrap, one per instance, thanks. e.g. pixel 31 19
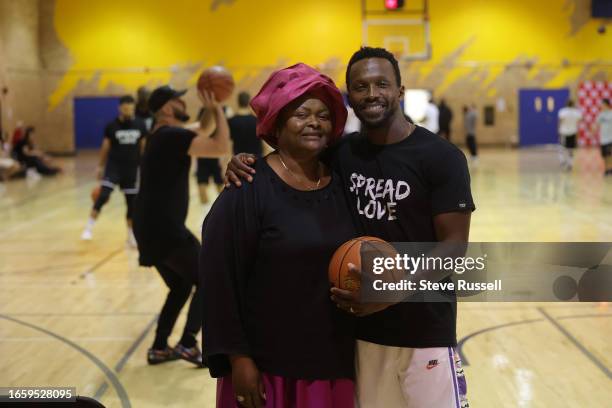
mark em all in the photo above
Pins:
pixel 273 337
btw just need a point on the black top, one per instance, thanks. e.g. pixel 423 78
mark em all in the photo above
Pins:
pixel 125 137
pixel 163 198
pixel 243 134
pixel 395 191
pixel 265 254
pixel 445 116
pixel 19 149
pixel 143 114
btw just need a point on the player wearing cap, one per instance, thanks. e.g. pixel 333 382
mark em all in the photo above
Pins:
pixel 161 209
pixel 119 158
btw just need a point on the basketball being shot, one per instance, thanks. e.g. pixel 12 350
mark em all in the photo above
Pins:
pixel 217 80
pixel 316 204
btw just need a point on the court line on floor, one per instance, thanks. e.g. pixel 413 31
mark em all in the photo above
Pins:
pixel 576 343
pixel 101 262
pixel 135 345
pixel 462 342
pixel 121 392
pixel 119 366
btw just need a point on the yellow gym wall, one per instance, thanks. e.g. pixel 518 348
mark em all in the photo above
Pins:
pixel 115 36
pixel 483 50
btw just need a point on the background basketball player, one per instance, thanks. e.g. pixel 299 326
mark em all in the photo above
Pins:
pixel 161 209
pixel 118 166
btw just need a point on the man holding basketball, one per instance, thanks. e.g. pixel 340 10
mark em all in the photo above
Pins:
pixel 161 209
pixel 405 351
pixel 119 160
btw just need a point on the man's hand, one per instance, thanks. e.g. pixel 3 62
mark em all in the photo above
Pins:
pixel 208 99
pixel 247 382
pixel 207 123
pixel 239 168
pixel 349 300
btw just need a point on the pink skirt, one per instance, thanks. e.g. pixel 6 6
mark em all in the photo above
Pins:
pixel 282 392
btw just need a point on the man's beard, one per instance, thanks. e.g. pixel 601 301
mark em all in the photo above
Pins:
pixel 180 115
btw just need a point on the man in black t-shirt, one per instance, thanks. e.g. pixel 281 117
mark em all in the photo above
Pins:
pixel 142 107
pixel 207 168
pixel 119 159
pixel 242 132
pixel 242 128
pixel 161 209
pixel 444 120
pixel 403 183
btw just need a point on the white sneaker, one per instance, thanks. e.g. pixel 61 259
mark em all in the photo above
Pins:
pixel 86 235
pixel 32 174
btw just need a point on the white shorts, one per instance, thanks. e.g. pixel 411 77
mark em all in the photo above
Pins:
pixel 398 377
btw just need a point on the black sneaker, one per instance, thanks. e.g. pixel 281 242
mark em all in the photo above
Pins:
pixel 192 354
pixel 161 356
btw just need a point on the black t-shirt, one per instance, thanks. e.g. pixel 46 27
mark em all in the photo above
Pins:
pixel 146 117
pixel 163 199
pixel 395 191
pixel 19 149
pixel 265 254
pixel 445 116
pixel 243 134
pixel 125 138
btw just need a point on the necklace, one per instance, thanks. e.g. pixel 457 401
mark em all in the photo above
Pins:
pixel 299 178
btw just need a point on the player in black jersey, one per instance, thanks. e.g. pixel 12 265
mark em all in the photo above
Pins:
pixel 164 241
pixel 119 160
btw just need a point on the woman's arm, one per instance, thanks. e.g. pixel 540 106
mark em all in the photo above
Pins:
pixel 229 244
pixel 229 250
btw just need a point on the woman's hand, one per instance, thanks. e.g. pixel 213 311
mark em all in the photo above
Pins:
pixel 247 382
pixel 239 168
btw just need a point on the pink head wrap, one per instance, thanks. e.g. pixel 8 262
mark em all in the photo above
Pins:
pixel 288 84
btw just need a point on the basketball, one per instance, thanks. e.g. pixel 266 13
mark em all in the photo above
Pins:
pixel 95 193
pixel 351 252
pixel 217 80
